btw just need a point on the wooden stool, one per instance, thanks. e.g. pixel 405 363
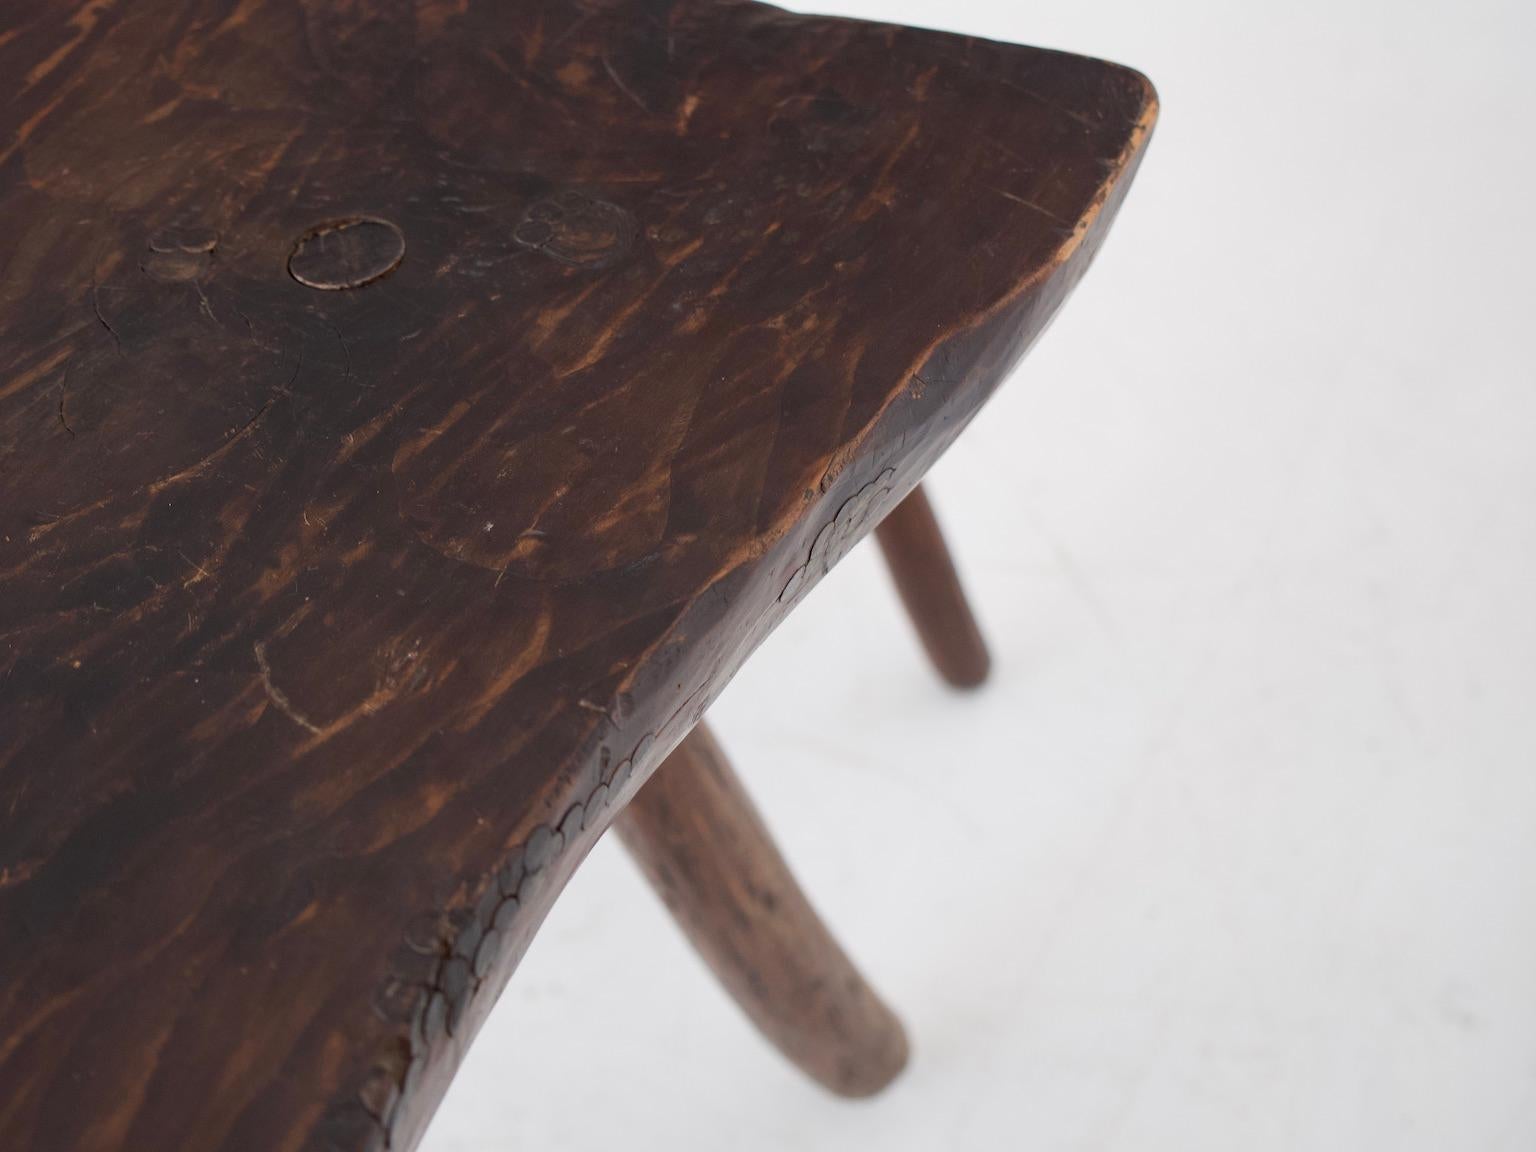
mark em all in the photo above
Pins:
pixel 412 412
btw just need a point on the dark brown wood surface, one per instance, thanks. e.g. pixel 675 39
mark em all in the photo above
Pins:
pixel 411 413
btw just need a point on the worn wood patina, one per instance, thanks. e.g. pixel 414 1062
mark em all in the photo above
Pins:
pixel 411 413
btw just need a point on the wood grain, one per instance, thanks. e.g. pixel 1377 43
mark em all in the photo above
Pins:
pixel 411 414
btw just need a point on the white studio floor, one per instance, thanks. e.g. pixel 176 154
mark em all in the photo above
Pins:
pixel 1238 850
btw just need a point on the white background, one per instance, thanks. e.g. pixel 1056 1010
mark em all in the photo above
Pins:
pixel 1246 858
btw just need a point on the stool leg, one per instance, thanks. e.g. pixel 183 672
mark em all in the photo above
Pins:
pixel 930 588
pixel 698 839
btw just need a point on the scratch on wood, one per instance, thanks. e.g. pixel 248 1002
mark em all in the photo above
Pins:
pixel 1044 211
pixel 623 87
pixel 16 798
pixel 96 307
pixel 346 352
pixel 194 469
pixel 202 573
pixel 64 391
pixel 278 696
pixel 203 305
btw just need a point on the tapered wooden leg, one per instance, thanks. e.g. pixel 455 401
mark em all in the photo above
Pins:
pixel 697 837
pixel 930 588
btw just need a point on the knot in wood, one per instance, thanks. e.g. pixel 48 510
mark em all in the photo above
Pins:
pixel 576 229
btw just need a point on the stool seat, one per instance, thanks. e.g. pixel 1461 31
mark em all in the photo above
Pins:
pixel 412 412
